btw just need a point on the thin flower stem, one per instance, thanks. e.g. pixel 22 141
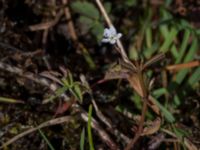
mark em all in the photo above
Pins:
pixel 109 22
pixel 103 11
pixel 119 47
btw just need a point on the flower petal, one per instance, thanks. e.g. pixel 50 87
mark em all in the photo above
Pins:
pixel 113 41
pixel 113 31
pixel 105 40
pixel 119 35
pixel 106 32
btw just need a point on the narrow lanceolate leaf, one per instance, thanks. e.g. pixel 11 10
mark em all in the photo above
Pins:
pixel 58 93
pixel 174 51
pixel 10 100
pixel 169 40
pixel 168 115
pixel 78 93
pixel 159 92
pixel 89 130
pixel 148 37
pixel 183 46
pixel 190 55
pixel 46 139
pixel 82 140
pixel 195 77
pixel 86 8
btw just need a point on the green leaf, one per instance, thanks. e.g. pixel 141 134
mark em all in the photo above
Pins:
pixel 133 53
pixel 70 79
pixel 97 30
pixel 86 23
pixel 190 55
pixel 148 34
pixel 177 100
pixel 137 101
pixel 174 51
pixel 180 133
pixel 78 93
pixel 90 139
pixel 108 7
pixel 164 31
pixel 169 40
pixel 183 46
pixel 58 93
pixel 195 77
pixel 130 3
pixel 46 140
pixel 168 115
pixel 88 58
pixel 192 50
pixel 68 82
pixel 181 76
pixel 82 140
pixel 86 8
pixel 159 92
pixel 149 51
pixel 10 100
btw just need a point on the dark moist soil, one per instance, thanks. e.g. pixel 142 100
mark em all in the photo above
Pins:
pixel 17 47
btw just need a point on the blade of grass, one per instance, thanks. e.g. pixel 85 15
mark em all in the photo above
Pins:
pixel 164 31
pixel 168 41
pixel 46 139
pixel 195 77
pixel 148 35
pixel 10 100
pixel 174 51
pixel 149 51
pixel 168 115
pixel 90 139
pixel 183 46
pixel 82 140
pixel 88 59
pixel 190 55
pixel 159 92
pixel 192 50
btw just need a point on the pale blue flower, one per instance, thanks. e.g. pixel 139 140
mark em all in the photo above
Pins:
pixel 110 35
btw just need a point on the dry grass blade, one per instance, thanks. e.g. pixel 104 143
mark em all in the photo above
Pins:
pixel 45 124
pixel 183 66
pixel 154 60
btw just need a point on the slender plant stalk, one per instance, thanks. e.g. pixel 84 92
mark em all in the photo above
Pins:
pixel 140 128
pixel 144 110
pixel 90 139
pixel 109 22
pixel 139 75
